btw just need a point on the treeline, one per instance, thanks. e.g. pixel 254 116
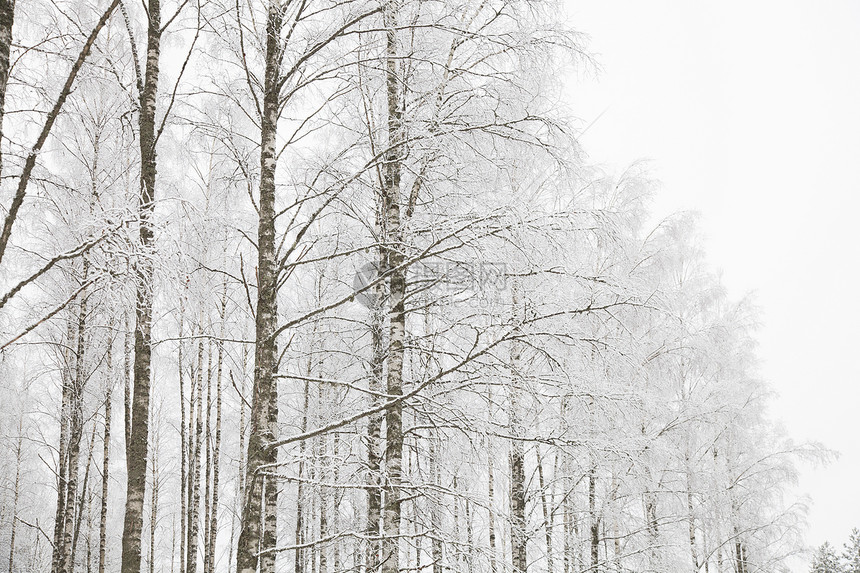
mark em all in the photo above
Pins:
pixel 327 285
pixel 827 560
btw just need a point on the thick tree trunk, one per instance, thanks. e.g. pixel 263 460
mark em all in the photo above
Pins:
pixel 138 448
pixel 397 294
pixel 256 510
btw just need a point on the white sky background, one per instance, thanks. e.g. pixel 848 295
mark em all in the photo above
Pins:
pixel 750 111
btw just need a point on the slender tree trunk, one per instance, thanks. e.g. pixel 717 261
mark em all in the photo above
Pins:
pixel 76 427
pixel 216 454
pixel 132 535
pixel 89 559
pixel 435 507
pixel 324 491
pixel 183 435
pixel 153 503
pixel 106 463
pixel 63 452
pixel 337 496
pixel 300 489
pixel 470 538
pixel 519 534
pixel 85 487
pixel 740 561
pixel 491 516
pixel 16 491
pixel 257 511
pixel 546 505
pixel 691 521
pixel 595 519
pixel 207 503
pixel 374 429
pixel 196 460
pixel 189 478
pixel 240 485
pixel 568 528
pixel 127 382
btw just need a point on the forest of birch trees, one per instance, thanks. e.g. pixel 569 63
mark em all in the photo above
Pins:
pixel 323 286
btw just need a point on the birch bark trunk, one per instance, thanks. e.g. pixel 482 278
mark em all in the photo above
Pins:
pixel 7 17
pixel 138 446
pixel 397 292
pixel 257 511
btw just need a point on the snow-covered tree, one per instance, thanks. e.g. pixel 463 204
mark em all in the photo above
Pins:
pixel 825 560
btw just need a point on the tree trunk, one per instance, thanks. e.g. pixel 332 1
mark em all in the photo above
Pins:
pixel 7 17
pixel 691 520
pixel 299 566
pixel 63 449
pixel 436 507
pixel 240 485
pixel 337 495
pixel 76 427
pixel 153 502
pixel 207 503
pixel 519 534
pixel 196 460
pixel 216 454
pixel 79 515
pixel 518 507
pixel 374 426
pixel 393 241
pixel 106 462
pixel 16 493
pixel 264 405
pixel 139 447
pixel 595 519
pixel 491 516
pixel 183 440
pixel 546 508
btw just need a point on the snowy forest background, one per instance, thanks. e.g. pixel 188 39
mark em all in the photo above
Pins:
pixel 323 286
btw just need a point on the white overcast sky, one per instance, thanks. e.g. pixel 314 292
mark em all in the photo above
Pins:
pixel 750 111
